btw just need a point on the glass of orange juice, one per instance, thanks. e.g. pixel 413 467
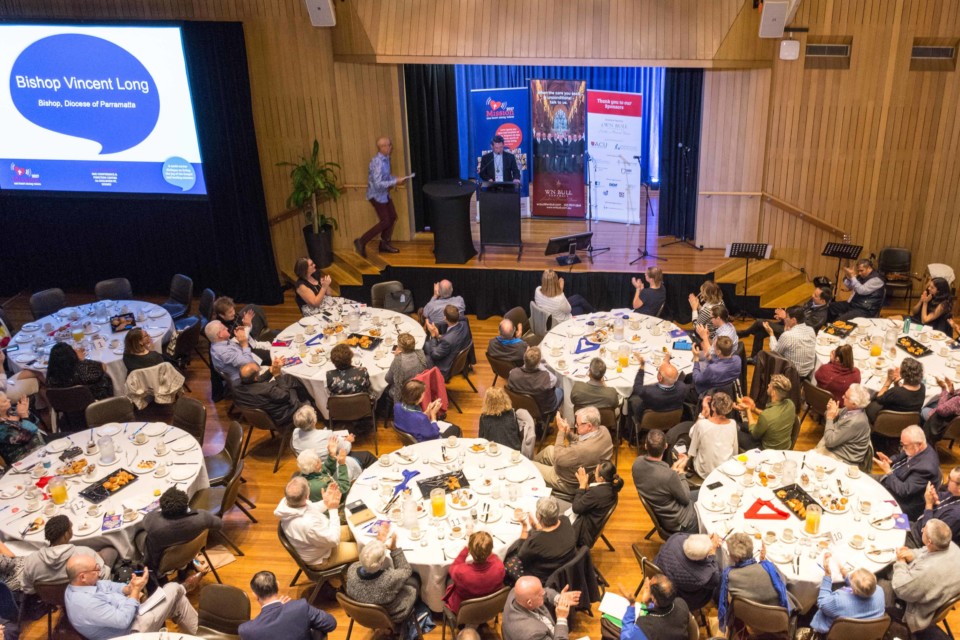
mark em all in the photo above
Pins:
pixel 77 332
pixel 438 502
pixel 876 347
pixel 623 356
pixel 812 524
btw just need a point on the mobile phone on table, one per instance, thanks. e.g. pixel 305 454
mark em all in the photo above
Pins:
pixel 714 486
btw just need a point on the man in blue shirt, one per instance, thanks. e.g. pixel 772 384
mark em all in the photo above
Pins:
pixel 717 372
pixel 281 617
pixel 101 609
pixel 860 599
pixel 379 183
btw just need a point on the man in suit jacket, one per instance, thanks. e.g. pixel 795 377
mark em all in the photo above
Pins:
pixel 664 488
pixel 907 474
pixel 666 394
pixel 443 349
pixel 499 166
pixel 593 392
pixel 526 617
pixel 279 394
pixel 281 617
pixel 586 447
pixel 508 344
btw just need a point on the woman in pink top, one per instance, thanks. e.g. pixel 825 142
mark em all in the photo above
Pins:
pixel 475 579
pixel 837 375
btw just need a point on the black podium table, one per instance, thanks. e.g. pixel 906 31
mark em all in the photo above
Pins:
pixel 449 202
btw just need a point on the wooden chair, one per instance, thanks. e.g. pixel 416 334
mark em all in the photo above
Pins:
pixel 889 424
pixel 528 402
pixel 190 415
pixel 220 500
pixel 795 432
pixel 647 568
pixel 52 595
pixel 942 613
pixel 662 420
pixel 69 404
pixel 815 400
pixel 48 301
pixel 320 576
pixel 405 437
pixel 374 617
pixel 952 432
pixel 871 629
pixel 113 289
pixel 763 618
pixel 657 527
pixel 474 611
pixel 352 408
pixel 221 611
pixel 693 631
pixel 501 368
pixel 460 368
pixel 178 556
pixel 260 419
pixel 101 412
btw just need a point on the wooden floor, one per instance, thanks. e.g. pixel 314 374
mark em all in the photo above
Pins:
pixel 628 525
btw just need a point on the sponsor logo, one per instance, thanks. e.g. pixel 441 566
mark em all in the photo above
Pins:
pixel 23 176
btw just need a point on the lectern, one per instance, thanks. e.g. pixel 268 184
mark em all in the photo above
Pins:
pixel 500 216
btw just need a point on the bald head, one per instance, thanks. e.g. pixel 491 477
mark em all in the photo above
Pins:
pixel 248 372
pixel 506 329
pixel 385 145
pixel 668 374
pixel 80 570
pixel 445 289
pixel 529 592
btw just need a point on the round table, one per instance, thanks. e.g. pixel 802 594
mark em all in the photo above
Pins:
pixel 645 335
pixel 376 359
pixel 432 555
pixel 36 338
pixel 935 364
pixel 185 469
pixel 718 516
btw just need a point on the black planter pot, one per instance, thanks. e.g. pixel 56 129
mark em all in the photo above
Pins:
pixel 319 245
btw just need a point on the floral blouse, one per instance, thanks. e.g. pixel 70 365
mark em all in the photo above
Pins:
pixel 347 381
pixel 17 439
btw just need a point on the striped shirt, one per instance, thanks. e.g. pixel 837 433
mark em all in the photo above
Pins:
pixel 798 345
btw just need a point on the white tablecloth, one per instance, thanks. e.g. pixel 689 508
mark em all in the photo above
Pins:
pixel 426 556
pixel 716 516
pixel 559 347
pixel 934 364
pixel 377 362
pixel 152 318
pixel 184 460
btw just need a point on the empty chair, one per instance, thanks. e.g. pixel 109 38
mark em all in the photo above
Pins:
pixel 352 408
pixel 110 410
pixel 187 341
pixel 540 320
pixel 113 289
pixel 391 295
pixel 260 419
pixel 190 415
pixel 459 367
pixel 179 556
pixel 221 611
pixel 205 307
pixel 373 616
pixel 68 405
pixel 220 465
pixel 475 611
pixel 220 500
pixel 815 400
pixel 890 423
pixel 45 302
pixel 893 263
pixel 181 296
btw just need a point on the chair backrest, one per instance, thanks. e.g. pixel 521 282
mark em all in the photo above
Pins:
pixel 866 465
pixel 815 397
pixel 476 611
pixel 233 488
pixel 459 362
pixel 891 423
pixel 234 441
pixel 117 409
pixel 894 260
pixel 663 533
pixel 178 556
pixel 181 289
pixel 259 419
pixel 941 614
pixel 113 289
pixel 51 593
pixel 742 354
pixel 581 565
pixel 871 629
pixel 405 437
pixel 371 616
pixel 952 432
pixel 351 407
pixel 379 291
pixel 223 608
pixel 795 432
pixel 604 521
pixel 662 420
pixel 766 363
pixel 524 401
pixel 190 415
pixel 540 320
pixel 205 307
pixel 518 316
pixel 9 607
pixel 45 302
pixel 73 399
pixel 187 339
pixel 693 631
pixel 761 618
pixel 501 368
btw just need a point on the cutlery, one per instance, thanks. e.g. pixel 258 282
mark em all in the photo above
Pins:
pixel 135 432
pixel 177 438
pixel 19 517
pixel 879 551
pixel 879 520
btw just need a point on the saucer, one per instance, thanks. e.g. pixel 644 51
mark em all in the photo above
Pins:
pixel 491 516
pixel 136 514
pixel 95 514
pixel 12 492
pixel 34 510
pixel 30 326
pixel 492 454
pixel 156 313
pixel 161 473
pixel 853 546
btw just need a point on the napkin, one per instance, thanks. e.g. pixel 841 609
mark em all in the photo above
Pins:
pixel 764 510
pixel 407 476
pixel 280 343
pixel 315 340
pixel 585 345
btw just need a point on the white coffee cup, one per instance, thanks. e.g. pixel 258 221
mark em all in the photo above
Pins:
pixel 161 448
pixel 140 438
pixel 33 503
pixel 49 509
pixel 452 441
pixel 515 456
pixel 386 460
pixel 129 514
pixel 561 364
pixel 161 468
pixel 493 448
pixel 93 510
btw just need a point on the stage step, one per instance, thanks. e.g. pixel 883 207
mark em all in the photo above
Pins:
pixel 351 262
pixel 798 294
pixel 759 270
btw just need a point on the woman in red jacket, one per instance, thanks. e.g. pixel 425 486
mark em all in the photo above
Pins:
pixel 837 375
pixel 480 577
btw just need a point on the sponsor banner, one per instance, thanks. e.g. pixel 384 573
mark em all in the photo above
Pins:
pixel 613 125
pixel 504 112
pixel 559 125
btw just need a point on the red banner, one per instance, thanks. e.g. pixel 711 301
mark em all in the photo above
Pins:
pixel 558 109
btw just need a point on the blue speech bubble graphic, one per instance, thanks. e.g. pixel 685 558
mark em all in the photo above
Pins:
pixel 87 87
pixel 179 172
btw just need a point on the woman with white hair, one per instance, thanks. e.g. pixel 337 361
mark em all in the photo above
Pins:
pixel 373 580
pixel 319 472
pixel 19 435
pixel 847 434
pixel 548 542
pixel 307 435
pixel 690 561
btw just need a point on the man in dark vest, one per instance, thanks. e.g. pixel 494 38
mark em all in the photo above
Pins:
pixel 868 293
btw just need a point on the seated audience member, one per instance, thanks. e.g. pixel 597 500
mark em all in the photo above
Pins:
pixel 314 528
pixel 938 415
pixel 312 294
pixel 594 392
pixel 702 304
pixel 587 445
pixel 228 355
pixel 814 316
pixel 666 394
pixel 664 617
pixel 480 577
pixel 548 541
pixel 498 420
pixel 550 298
pixel 942 504
pixel 837 375
pixel 663 487
pixel 373 580
pixel 322 471
pixel 137 352
pixel 22 383
pixel 902 390
pixel 174 523
pixel 925 579
pixel 859 599
pixel 421 424
pixel 19 434
pixel 759 581
pixel 713 437
pixel 650 298
pixel 49 564
pixel 278 394
pixel 225 310
pixel 720 325
pixel 306 435
pixel 508 344
pixel 68 368
pixel 281 617
pixel 443 349
pixel 690 561
pixel 345 379
pixel 593 500
pixel 907 474
pixel 797 343
pixel 527 617
pixel 846 435
pixel 443 296
pixel 715 371
pixel 868 293
pixel 534 379
pixel 771 428
pixel 101 609
pixel 935 306
pixel 408 362
pixel 11 570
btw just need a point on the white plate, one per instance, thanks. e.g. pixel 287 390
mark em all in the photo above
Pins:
pixel 885 525
pixel 30 326
pixel 824 351
pixel 472 473
pixel 881 558
pixel 166 472
pixel 492 516
pixel 479 487
pixel 303 322
pixel 157 312
pixel 184 475
pixel 707 504
pixel 455 546
pixel 494 455
pixel 472 502
pixel 86 528
pixel 23 337
pixel 135 468
pixel 24 358
pixel 108 430
pixel 11 492
pixel 862 546
pixel 155 429
pixel 779 556
pixel 438 459
pixel 733 468
pixel 517 474
pixel 117 352
pixel 59 445
pixel 184 448
pixel 92 329
pixel 156 333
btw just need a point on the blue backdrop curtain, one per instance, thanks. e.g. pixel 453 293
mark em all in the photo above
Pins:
pixel 645 80
pixel 683 100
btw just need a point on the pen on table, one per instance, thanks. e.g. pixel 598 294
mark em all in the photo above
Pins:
pixel 138 430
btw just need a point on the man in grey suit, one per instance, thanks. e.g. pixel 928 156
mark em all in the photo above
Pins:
pixel 526 617
pixel 594 392
pixel 663 488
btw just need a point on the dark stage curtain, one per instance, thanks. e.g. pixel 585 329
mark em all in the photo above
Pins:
pixel 432 122
pixel 680 152
pixel 222 242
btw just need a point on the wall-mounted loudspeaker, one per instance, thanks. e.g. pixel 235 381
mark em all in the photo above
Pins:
pixel 321 13
pixel 774 18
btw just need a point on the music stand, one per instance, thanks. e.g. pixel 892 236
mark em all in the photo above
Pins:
pixel 749 251
pixel 841 251
pixel 569 244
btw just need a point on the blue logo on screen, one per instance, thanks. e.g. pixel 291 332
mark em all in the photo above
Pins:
pixel 86 87
pixel 179 173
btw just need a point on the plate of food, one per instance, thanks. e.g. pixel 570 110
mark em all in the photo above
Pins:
pixel 462 499
pixel 73 468
pixel 880 555
pixel 364 342
pixel 839 328
pixel 836 504
pixel 34 527
pixel 911 346
pixel 484 486
pixel 405 457
pixel 938 335
pixel 714 504
pixel 600 336
pixel 478 447
pixel 11 492
pixel 24 358
pixel 30 326
pixel 144 467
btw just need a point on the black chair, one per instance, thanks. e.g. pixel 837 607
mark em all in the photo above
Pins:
pixel 69 404
pixel 501 368
pixel 795 432
pixel 662 420
pixel 260 419
pixel 221 611
pixel 220 500
pixel 647 568
pixel 518 316
pixel 101 412
pixel 742 354
pixel 181 296
pixel 528 402
pixel 893 263
pixel 580 573
pixel 353 408
pixel 221 465
pixel 603 523
pixel 113 289
pixel 460 367
pixel 188 340
pixel 48 301
pixel 205 306
pixel 393 296
pixel 190 415
pixel 657 527
pixel 180 556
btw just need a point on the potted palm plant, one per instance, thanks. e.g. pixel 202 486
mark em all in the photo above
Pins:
pixel 313 183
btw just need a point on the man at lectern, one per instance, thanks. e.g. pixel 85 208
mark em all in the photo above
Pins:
pixel 499 166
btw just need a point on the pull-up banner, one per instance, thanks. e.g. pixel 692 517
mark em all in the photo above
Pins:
pixel 559 123
pixel 613 175
pixel 504 112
